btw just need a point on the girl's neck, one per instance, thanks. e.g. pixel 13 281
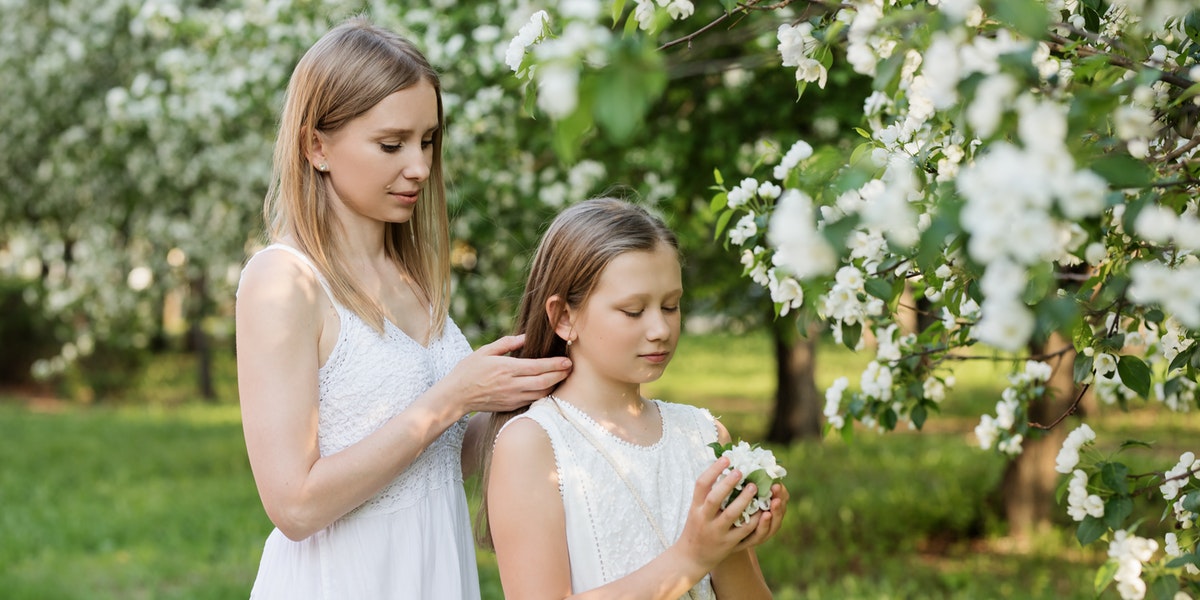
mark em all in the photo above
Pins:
pixel 600 397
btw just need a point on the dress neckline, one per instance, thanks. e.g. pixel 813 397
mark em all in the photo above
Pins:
pixel 590 422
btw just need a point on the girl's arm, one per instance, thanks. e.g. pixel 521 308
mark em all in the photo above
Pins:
pixel 739 575
pixel 528 527
pixel 281 312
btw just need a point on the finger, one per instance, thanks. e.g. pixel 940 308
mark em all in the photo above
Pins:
pixel 734 510
pixel 556 365
pixel 704 483
pixel 504 345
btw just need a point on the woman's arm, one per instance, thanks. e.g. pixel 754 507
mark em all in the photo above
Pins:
pixel 280 316
pixel 529 530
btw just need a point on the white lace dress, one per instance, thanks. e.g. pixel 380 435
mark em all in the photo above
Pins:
pixel 608 534
pixel 413 539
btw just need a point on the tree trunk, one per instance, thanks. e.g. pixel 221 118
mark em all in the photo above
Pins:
pixel 797 412
pixel 198 341
pixel 1027 490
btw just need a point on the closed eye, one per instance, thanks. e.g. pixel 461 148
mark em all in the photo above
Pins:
pixel 390 148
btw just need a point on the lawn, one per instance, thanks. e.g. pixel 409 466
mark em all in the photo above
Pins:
pixel 154 498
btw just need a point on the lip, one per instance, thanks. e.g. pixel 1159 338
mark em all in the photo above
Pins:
pixel 409 198
pixel 656 357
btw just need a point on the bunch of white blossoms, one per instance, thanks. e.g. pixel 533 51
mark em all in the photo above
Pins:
pixel 757 465
pixel 1081 504
pixel 1179 476
pixel 1023 387
pixel 1068 456
pixel 1130 551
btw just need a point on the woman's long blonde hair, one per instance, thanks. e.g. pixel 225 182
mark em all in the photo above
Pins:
pixel 347 72
pixel 569 260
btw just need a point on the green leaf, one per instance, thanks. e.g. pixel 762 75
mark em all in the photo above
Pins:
pixel 1026 16
pixel 618 7
pixel 624 92
pixel 1182 358
pixel 1191 502
pixel 719 202
pixel 1116 510
pixel 1084 365
pixel 1122 170
pixel 1135 374
pixel 729 5
pixel 850 335
pixel 1104 575
pixel 1135 443
pixel 880 288
pixel 1165 587
pixel 1115 477
pixel 761 481
pixel 722 222
pixel 1090 530
pixel 918 415
pixel 717 177
pixel 1186 559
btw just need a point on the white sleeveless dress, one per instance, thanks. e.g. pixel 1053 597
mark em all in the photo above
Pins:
pixel 413 539
pixel 608 534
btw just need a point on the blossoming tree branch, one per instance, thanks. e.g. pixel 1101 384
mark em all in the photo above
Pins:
pixel 1026 182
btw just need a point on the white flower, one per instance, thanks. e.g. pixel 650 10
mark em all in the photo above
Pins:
pixel 991 98
pixel 745 229
pixel 1176 478
pixel 558 90
pixel 1156 223
pixel 1005 324
pixel 1104 363
pixel 1082 195
pixel 986 432
pixel 786 292
pixel 139 278
pixel 800 248
pixel 530 33
pixel 680 9
pixel 798 152
pixel 748 459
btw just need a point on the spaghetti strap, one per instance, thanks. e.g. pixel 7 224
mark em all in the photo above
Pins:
pixel 306 260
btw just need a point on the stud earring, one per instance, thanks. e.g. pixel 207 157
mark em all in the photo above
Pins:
pixel 323 167
pixel 568 343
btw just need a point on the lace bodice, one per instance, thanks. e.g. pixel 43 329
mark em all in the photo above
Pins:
pixel 608 534
pixel 368 379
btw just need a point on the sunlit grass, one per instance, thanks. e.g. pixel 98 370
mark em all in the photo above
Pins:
pixel 153 498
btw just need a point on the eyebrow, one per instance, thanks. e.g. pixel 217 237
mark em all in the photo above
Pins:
pixel 400 132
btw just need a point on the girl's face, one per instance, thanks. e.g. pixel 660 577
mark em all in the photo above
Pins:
pixel 379 161
pixel 627 329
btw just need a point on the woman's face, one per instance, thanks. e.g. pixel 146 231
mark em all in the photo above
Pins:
pixel 627 329
pixel 379 161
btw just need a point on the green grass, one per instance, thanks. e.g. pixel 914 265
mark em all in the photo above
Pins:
pixel 153 497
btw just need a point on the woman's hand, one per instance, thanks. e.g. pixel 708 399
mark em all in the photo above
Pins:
pixel 488 380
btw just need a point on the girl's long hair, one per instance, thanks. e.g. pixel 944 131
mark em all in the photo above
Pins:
pixel 569 260
pixel 347 72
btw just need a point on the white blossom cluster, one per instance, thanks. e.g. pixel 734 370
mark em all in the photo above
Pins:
pixel 796 46
pixel 999 430
pixel 1081 504
pixel 1068 455
pixel 1173 550
pixel 1130 553
pixel 1180 475
pixel 748 460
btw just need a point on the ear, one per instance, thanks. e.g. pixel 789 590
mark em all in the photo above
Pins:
pixel 561 317
pixel 315 149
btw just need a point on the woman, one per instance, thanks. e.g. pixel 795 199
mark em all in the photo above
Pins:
pixel 355 385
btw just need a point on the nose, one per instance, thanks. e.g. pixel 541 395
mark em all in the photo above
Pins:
pixel 658 326
pixel 417 164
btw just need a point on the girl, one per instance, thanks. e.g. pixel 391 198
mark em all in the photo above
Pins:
pixel 354 382
pixel 597 492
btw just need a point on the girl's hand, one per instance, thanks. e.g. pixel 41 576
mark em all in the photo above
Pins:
pixel 769 520
pixel 708 534
pixel 487 380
